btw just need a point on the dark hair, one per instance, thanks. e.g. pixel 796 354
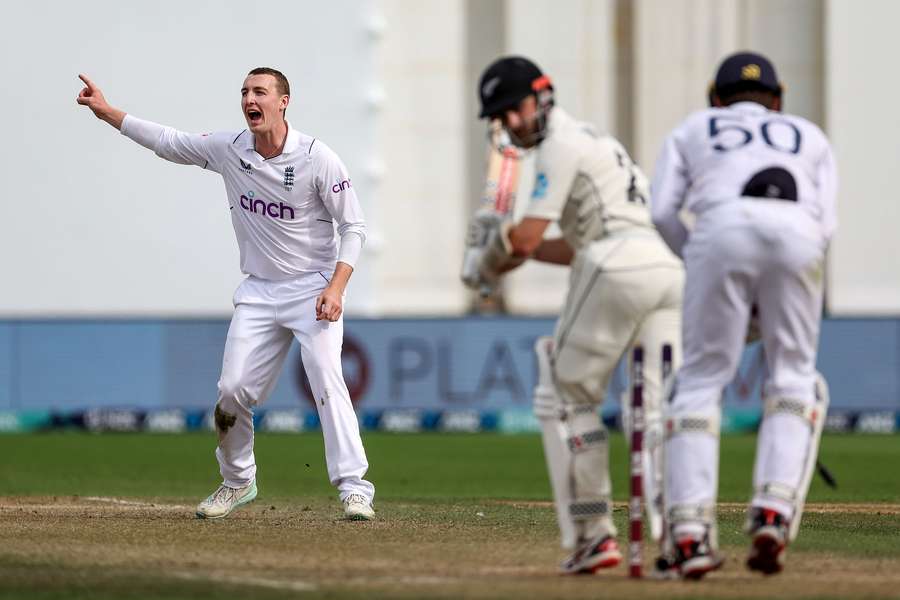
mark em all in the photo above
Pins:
pixel 748 92
pixel 281 82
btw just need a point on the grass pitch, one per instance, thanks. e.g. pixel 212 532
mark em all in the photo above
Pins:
pixel 111 516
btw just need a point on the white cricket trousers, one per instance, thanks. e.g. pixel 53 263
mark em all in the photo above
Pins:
pixel 267 316
pixel 767 252
pixel 623 290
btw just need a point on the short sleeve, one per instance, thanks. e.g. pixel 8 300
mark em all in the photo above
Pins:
pixel 555 170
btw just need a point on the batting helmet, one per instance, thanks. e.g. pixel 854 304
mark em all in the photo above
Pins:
pixel 508 81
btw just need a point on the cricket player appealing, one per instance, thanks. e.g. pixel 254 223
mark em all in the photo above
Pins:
pixel 285 190
pixel 624 289
pixel 761 187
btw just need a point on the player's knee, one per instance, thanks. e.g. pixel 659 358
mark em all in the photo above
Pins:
pixel 234 394
pixel 800 398
pixel 229 388
pixel 695 400
pixel 577 392
pixel 805 389
pixel 557 392
pixel 559 400
pixel 694 411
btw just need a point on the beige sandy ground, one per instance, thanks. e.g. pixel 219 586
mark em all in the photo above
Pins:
pixel 308 551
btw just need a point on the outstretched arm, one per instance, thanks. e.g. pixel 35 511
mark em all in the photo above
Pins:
pixel 93 98
pixel 166 142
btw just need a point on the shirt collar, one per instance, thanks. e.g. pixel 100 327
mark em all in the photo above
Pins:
pixel 558 119
pixel 290 144
pixel 748 106
pixel 293 139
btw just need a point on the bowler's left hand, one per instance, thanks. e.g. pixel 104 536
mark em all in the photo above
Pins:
pixel 329 305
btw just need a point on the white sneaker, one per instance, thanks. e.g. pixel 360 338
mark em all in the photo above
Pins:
pixel 224 500
pixel 358 508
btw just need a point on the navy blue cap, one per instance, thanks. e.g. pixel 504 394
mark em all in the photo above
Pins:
pixel 746 70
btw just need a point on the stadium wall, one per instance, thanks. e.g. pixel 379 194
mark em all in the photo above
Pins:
pixel 404 374
pixel 96 226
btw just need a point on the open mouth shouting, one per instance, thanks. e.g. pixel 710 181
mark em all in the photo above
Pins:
pixel 254 117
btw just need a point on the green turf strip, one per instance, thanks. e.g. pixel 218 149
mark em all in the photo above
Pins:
pixel 403 466
pixel 437 494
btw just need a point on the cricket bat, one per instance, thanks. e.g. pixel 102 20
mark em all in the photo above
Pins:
pixel 499 196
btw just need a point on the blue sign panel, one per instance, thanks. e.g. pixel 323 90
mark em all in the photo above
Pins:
pixel 467 367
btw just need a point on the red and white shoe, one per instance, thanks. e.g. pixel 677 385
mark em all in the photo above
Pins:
pixel 599 553
pixel 769 532
pixel 694 558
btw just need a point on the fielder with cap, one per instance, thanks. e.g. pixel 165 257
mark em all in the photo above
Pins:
pixel 761 187
pixel 624 289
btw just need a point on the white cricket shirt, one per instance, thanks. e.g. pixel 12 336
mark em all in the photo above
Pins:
pixel 587 182
pixel 283 209
pixel 714 153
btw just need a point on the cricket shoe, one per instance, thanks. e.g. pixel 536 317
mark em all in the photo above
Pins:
pixel 224 500
pixel 664 568
pixel 769 532
pixel 695 558
pixel 358 508
pixel 599 553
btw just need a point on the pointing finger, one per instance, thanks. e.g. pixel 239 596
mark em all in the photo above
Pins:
pixel 86 81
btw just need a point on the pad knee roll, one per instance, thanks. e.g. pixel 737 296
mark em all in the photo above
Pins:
pixel 546 402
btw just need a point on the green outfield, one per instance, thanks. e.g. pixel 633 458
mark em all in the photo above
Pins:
pixel 110 516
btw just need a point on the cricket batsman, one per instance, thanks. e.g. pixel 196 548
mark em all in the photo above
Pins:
pixel 761 187
pixel 286 190
pixel 625 288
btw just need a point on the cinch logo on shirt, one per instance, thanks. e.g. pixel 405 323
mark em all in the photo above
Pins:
pixel 260 206
pixel 340 187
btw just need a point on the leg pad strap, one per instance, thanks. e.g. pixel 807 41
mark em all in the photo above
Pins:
pixel 778 491
pixel 692 424
pixel 586 510
pixel 691 513
pixel 808 411
pixel 587 441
